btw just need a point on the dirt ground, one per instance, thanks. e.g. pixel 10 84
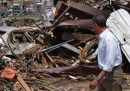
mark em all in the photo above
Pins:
pixel 81 83
pixel 69 84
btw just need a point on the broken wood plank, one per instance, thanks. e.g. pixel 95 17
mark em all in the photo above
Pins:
pixel 46 35
pixel 49 57
pixel 32 49
pixel 86 8
pixel 22 82
pixel 63 62
pixel 44 62
pixel 84 52
pixel 82 70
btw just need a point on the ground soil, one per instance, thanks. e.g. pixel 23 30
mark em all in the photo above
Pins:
pixel 68 84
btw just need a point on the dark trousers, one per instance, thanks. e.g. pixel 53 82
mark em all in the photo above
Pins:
pixel 113 81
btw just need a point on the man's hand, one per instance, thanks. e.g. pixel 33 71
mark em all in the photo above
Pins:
pixel 93 84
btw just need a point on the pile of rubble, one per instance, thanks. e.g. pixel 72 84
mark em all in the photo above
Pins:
pixel 30 56
pixel 17 22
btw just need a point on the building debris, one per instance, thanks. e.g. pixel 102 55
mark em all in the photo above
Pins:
pixel 33 55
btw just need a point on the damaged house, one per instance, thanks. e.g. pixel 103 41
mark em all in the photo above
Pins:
pixel 32 57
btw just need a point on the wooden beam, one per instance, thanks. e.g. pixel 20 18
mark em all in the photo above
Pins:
pixel 22 82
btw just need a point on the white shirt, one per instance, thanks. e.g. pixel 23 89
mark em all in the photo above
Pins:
pixel 109 52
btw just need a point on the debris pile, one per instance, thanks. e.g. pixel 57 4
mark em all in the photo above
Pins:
pixel 66 47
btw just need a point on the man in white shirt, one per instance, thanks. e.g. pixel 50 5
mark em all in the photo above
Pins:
pixel 109 58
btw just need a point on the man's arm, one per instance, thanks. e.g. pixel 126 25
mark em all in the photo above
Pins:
pixel 95 82
pixel 102 74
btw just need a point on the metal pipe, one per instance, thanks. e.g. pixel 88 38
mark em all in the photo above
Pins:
pixel 56 46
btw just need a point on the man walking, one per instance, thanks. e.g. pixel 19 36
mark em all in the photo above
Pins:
pixel 109 58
